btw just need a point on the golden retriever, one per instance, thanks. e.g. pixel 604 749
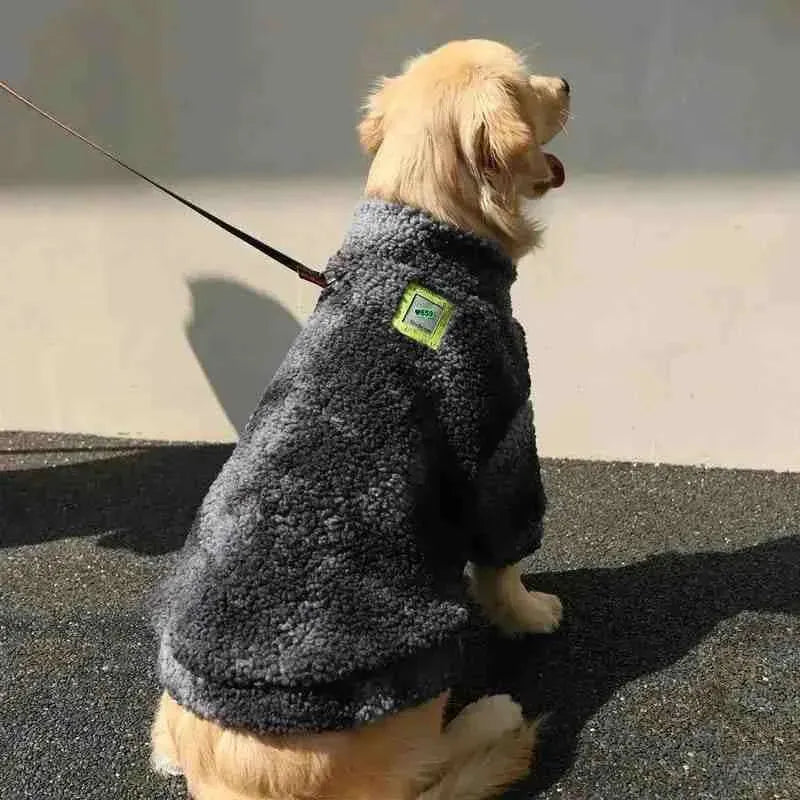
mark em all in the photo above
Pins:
pixel 459 135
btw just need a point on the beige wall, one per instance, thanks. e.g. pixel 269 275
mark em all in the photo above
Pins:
pixel 663 314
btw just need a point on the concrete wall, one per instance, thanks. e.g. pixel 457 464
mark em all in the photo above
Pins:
pixel 663 315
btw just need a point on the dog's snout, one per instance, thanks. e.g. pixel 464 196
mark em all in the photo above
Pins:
pixel 565 87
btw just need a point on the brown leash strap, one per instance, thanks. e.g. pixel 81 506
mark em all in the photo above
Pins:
pixel 287 261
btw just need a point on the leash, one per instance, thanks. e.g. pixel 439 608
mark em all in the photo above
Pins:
pixel 301 270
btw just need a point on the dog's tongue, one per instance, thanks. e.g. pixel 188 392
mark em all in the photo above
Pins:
pixel 557 168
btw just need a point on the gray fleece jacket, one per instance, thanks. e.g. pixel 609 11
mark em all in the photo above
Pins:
pixel 321 585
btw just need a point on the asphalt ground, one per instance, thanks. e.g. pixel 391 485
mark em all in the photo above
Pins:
pixel 675 674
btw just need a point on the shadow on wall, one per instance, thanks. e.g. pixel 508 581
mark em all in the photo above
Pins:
pixel 240 337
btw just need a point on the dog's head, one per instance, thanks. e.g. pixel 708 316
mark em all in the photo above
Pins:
pixel 460 133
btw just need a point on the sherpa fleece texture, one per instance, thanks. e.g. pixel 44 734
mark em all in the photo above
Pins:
pixel 321 586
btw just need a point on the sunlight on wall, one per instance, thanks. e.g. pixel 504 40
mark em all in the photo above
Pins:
pixel 661 315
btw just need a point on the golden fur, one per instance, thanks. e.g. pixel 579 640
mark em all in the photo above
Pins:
pixel 401 757
pixel 459 135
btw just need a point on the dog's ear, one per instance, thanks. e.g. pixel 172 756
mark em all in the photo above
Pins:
pixel 371 127
pixel 498 140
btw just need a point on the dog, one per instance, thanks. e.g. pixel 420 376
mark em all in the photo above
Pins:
pixel 420 390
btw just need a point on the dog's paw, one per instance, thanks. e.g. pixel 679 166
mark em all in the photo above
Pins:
pixel 494 714
pixel 532 612
pixel 161 765
pixel 510 606
pixel 482 723
pixel 543 614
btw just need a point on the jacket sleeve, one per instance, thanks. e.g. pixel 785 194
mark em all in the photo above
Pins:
pixel 509 500
pixel 492 489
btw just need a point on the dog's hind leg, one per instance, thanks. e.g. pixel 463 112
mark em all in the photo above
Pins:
pixel 481 723
pixel 489 746
pixel 164 755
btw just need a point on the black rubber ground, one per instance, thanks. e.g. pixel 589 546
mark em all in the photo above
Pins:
pixel 674 676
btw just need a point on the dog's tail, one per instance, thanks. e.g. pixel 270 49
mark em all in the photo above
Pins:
pixel 485 772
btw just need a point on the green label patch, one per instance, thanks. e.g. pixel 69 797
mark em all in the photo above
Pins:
pixel 423 315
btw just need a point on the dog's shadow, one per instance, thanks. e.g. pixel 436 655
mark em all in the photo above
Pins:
pixel 239 336
pixel 621 624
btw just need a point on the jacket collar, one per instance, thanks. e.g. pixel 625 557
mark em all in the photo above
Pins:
pixel 401 238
